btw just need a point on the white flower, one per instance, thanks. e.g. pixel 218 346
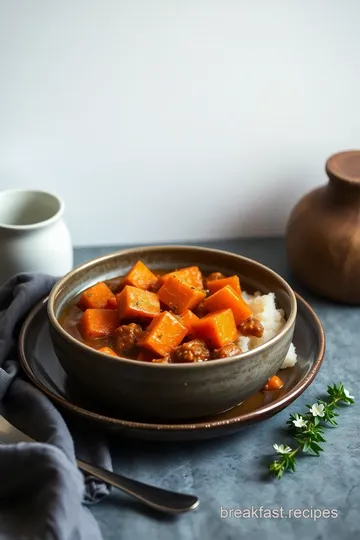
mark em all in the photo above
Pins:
pixel 299 421
pixel 347 394
pixel 281 449
pixel 317 409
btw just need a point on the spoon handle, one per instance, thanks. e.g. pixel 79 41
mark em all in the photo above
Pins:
pixel 158 498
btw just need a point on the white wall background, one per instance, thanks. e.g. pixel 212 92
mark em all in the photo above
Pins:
pixel 165 120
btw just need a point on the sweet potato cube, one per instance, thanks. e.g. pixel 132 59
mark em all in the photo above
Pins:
pixel 107 350
pixel 134 302
pixel 190 275
pixel 217 284
pixel 274 383
pixel 140 276
pixel 179 296
pixel 217 329
pixel 164 334
pixel 98 323
pixel 228 298
pixel 187 318
pixel 99 296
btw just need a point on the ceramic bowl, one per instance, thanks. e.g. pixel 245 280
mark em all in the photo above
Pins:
pixel 170 391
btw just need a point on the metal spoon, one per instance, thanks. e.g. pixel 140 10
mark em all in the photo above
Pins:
pixel 161 499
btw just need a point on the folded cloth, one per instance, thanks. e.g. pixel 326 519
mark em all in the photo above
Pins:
pixel 41 488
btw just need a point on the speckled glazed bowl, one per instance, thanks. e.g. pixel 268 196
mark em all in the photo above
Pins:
pixel 170 391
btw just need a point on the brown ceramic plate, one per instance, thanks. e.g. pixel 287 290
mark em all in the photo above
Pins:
pixel 40 363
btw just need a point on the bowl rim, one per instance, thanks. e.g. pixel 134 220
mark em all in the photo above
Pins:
pixel 290 322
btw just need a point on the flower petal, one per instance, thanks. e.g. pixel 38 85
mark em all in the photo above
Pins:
pixel 347 394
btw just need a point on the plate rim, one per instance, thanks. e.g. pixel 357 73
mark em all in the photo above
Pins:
pixel 244 419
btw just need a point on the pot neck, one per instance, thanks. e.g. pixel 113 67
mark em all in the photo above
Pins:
pixel 343 171
pixel 343 190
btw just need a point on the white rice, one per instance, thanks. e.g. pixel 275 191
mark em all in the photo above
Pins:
pixel 264 309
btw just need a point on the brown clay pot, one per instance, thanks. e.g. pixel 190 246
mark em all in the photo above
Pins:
pixel 323 232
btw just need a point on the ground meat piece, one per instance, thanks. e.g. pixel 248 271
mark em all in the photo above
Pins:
pixel 200 310
pixel 251 327
pixel 228 350
pixel 127 336
pixel 192 351
pixel 212 277
pixel 115 285
pixel 144 322
pixel 155 287
pixel 164 360
pixel 215 275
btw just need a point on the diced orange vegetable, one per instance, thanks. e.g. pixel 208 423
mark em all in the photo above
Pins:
pixel 217 329
pixel 274 383
pixel 140 276
pixel 228 298
pixel 187 318
pixel 178 295
pixel 98 296
pixel 98 323
pixel 218 284
pixel 107 350
pixel 190 275
pixel 134 302
pixel 164 334
pixel 163 360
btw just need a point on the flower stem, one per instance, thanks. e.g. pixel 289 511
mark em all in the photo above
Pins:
pixel 307 430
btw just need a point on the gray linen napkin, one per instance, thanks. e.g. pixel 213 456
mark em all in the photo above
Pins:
pixel 41 489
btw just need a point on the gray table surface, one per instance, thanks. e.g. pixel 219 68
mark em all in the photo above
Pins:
pixel 232 472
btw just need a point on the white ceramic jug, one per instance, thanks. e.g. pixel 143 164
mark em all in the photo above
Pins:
pixel 33 234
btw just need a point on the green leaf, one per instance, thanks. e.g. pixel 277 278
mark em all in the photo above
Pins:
pixel 306 446
pixel 316 448
pixel 277 468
